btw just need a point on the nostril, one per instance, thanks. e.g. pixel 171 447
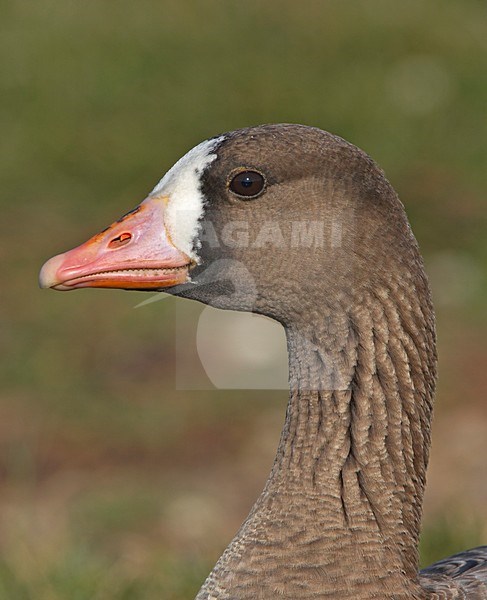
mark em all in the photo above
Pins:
pixel 121 240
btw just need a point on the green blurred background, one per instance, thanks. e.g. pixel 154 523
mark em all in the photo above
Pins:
pixel 113 484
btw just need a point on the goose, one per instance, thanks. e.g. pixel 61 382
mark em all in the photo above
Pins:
pixel 324 248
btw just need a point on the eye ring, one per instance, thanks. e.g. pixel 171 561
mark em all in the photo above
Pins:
pixel 247 183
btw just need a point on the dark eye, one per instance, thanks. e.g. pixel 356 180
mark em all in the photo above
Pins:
pixel 247 184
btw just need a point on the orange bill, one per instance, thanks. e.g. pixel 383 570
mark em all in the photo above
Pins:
pixel 134 253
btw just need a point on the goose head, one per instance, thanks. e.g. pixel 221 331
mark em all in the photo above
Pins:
pixel 266 219
pixel 297 224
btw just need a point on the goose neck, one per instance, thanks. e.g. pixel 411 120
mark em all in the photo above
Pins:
pixel 356 437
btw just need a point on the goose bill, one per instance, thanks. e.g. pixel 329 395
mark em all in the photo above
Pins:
pixel 135 252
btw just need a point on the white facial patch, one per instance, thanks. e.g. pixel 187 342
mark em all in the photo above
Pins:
pixel 182 186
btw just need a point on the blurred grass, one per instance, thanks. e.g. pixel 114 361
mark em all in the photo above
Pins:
pixel 114 485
